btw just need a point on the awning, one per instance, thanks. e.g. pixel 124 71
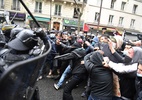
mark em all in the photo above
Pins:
pixel 109 29
pixel 85 28
pixel 43 19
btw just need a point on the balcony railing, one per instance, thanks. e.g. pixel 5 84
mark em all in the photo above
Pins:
pixel 15 8
pixel 71 1
pixel 1 6
pixel 57 13
pixel 38 10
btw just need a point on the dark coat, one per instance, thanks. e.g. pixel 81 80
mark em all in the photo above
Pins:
pixel 139 88
pixel 100 77
pixel 76 56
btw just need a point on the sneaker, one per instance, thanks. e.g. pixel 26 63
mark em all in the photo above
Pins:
pixel 56 87
pixel 83 95
pixel 50 76
pixel 39 78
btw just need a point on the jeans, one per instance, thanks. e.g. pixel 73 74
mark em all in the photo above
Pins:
pixel 91 97
pixel 65 73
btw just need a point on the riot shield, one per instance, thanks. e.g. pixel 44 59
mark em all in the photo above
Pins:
pixel 18 82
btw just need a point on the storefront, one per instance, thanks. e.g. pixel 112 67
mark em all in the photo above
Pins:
pixel 111 30
pixel 43 21
pixel 17 18
pixel 71 24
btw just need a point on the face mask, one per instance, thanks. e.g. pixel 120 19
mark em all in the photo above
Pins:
pixel 114 45
pixel 139 75
pixel 125 52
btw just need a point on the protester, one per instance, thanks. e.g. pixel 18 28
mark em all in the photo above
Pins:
pixel 101 79
pixel 77 44
pixel 78 71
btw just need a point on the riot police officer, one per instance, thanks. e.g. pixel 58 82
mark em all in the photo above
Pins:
pixel 24 46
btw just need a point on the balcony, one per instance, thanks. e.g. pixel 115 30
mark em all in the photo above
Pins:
pixel 1 6
pixel 15 8
pixel 38 11
pixel 57 13
pixel 70 1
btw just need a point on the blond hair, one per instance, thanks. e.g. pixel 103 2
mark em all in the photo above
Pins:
pixel 119 41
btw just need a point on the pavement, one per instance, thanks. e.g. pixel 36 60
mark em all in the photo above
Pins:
pixel 48 92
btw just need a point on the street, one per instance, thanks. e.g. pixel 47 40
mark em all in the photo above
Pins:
pixel 47 91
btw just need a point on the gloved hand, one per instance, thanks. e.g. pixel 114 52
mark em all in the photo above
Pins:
pixel 40 33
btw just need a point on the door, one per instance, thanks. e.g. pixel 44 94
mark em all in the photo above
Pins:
pixel 56 25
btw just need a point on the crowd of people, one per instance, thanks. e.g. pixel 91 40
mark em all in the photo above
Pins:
pixel 111 66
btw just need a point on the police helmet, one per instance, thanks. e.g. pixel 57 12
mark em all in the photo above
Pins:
pixel 25 40
pixel 15 31
pixel 6 29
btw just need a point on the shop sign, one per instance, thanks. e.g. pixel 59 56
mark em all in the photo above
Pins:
pixel 71 22
pixel 17 16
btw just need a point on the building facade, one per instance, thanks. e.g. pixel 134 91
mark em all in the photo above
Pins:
pixel 123 15
pixel 14 10
pixel 58 14
pixel 64 14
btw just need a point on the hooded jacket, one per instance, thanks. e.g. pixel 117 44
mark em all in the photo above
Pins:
pixel 76 56
pixel 100 77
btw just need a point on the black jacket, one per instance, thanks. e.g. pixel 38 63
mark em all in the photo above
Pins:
pixel 139 88
pixel 100 77
pixel 76 56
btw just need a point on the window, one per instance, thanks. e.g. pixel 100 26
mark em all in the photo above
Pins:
pixel 85 1
pixel 98 2
pixel 132 23
pixel 38 7
pixel 97 16
pixel 110 19
pixel 16 5
pixel 134 9
pixel 1 4
pixel 76 12
pixel 112 3
pixel 123 5
pixel 120 21
pixel 57 10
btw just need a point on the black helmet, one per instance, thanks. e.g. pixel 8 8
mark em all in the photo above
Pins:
pixel 25 40
pixel 15 31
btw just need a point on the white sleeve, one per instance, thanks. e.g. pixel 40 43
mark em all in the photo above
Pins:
pixel 121 68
